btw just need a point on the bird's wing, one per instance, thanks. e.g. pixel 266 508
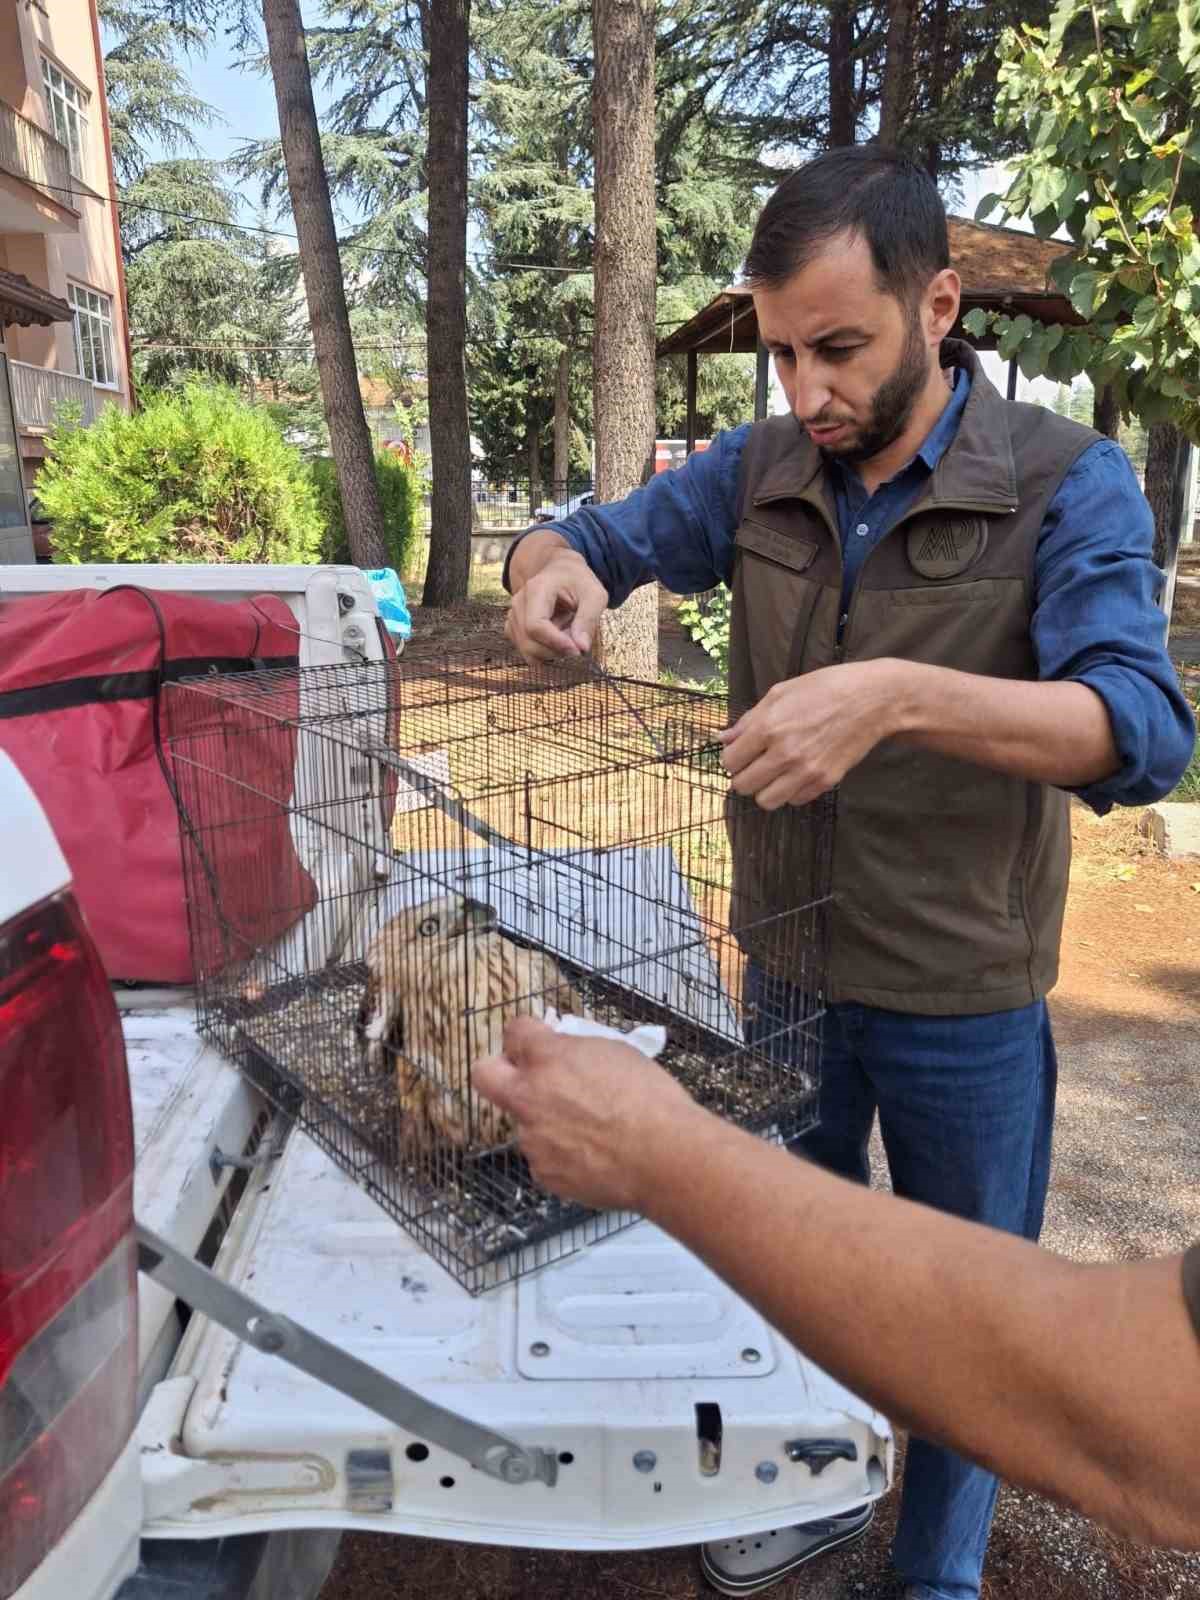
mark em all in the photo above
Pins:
pixel 381 1019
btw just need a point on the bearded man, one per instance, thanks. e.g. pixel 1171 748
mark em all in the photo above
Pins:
pixel 945 603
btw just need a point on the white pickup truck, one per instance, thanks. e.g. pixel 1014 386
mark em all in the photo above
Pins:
pixel 147 1452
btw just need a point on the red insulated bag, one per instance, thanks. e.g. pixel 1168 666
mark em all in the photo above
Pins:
pixel 80 709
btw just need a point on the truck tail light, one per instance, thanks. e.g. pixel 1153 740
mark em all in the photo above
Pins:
pixel 68 1285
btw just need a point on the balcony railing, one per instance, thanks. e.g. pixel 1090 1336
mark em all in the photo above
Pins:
pixel 31 153
pixel 39 395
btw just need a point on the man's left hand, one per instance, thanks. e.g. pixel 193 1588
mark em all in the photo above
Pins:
pixel 806 733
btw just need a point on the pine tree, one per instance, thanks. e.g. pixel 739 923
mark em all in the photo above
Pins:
pixel 625 268
pixel 449 567
pixel 201 297
pixel 321 265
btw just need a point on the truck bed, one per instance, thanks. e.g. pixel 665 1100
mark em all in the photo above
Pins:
pixel 602 1357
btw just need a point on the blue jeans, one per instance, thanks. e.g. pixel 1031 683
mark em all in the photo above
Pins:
pixel 966 1113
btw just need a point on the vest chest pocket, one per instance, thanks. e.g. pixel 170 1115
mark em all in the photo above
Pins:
pixel 980 626
pixel 796 554
pixel 981 591
pixel 775 596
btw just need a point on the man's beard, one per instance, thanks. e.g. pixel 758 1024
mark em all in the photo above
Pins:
pixel 893 403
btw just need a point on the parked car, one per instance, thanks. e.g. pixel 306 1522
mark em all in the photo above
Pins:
pixel 564 508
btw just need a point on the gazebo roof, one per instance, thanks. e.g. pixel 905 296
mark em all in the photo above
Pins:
pixel 1000 268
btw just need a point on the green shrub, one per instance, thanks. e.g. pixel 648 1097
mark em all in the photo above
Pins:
pixel 197 474
pixel 706 618
pixel 400 497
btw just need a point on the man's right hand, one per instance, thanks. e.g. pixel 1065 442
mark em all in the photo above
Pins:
pixel 557 600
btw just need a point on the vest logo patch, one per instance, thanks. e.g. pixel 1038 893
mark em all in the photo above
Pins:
pixel 945 546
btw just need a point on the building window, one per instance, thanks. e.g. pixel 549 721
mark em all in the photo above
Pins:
pixel 93 335
pixel 68 113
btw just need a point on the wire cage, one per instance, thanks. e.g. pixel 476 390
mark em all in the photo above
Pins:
pixel 384 864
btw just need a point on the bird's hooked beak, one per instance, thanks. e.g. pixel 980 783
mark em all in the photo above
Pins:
pixel 475 917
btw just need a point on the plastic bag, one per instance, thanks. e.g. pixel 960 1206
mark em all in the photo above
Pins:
pixel 391 600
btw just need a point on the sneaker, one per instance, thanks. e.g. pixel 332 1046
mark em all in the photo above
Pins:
pixel 746 1565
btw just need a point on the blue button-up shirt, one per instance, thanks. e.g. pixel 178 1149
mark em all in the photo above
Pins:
pixel 864 518
pixel 1095 619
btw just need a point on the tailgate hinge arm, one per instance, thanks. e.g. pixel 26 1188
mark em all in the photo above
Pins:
pixel 277 1335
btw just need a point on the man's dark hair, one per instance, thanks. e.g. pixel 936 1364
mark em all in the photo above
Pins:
pixel 866 189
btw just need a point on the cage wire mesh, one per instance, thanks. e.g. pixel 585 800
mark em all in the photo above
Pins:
pixel 384 864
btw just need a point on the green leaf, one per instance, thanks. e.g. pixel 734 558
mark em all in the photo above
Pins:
pixel 1061 19
pixel 1059 364
pixel 1080 346
pixel 1014 336
pixel 1087 290
pixel 975 323
pixel 1188 16
pixel 1047 128
pixel 1144 114
pixel 1031 357
pixel 1062 270
pixel 1153 405
pixel 1147 203
pixel 987 205
pixel 1047 184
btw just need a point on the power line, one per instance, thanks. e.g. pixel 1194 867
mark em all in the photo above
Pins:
pixel 413 343
pixel 343 244
pixel 280 233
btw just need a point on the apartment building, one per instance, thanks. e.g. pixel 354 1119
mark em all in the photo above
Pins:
pixel 63 333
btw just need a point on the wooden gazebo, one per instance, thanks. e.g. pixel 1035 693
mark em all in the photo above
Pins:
pixel 1001 270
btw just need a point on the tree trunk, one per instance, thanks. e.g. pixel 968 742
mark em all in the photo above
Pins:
pixel 897 71
pixel 625 258
pixel 1168 456
pixel 534 440
pixel 349 437
pixel 938 64
pixel 449 568
pixel 562 422
pixel 1106 413
pixel 841 74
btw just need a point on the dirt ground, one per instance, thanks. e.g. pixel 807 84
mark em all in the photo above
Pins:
pixel 1126 1184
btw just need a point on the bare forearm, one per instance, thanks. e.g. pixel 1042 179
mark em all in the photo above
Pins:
pixel 1067 1379
pixel 1056 733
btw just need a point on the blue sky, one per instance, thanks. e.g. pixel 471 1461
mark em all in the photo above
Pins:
pixel 245 101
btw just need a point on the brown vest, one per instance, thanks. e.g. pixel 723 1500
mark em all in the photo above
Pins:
pixel 949 881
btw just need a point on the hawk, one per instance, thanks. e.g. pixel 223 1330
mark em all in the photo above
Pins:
pixel 442 981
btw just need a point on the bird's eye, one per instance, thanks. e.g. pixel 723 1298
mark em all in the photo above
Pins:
pixel 428 928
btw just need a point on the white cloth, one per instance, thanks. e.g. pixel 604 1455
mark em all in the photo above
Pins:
pixel 650 1039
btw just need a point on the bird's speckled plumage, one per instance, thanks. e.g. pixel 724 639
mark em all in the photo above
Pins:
pixel 442 982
